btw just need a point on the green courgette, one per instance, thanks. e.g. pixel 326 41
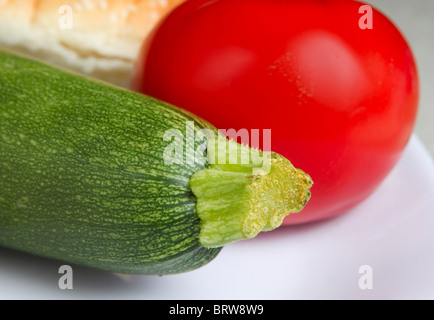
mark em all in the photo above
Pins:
pixel 84 178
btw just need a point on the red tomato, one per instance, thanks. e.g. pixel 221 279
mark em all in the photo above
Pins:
pixel 339 96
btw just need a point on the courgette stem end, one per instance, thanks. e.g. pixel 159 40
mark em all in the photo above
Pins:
pixel 236 201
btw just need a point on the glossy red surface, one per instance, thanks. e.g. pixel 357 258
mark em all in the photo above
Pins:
pixel 341 101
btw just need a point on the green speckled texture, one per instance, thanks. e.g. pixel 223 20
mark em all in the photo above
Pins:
pixel 82 175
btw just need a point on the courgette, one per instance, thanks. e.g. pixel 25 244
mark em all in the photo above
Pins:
pixel 84 176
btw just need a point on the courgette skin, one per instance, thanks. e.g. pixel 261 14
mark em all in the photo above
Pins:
pixel 82 176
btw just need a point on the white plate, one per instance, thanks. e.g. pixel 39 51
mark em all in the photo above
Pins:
pixel 383 249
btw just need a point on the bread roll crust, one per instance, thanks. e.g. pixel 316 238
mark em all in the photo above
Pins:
pixel 100 38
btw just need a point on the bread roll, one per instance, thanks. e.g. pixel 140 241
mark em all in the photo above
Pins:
pixel 100 38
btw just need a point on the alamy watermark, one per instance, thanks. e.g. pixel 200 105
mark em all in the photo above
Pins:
pixel 366 21
pixel 65 281
pixel 181 149
pixel 66 18
pixel 366 280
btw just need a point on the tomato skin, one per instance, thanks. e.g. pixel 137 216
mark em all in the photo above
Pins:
pixel 341 101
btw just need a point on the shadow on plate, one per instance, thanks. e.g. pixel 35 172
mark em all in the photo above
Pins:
pixel 26 276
